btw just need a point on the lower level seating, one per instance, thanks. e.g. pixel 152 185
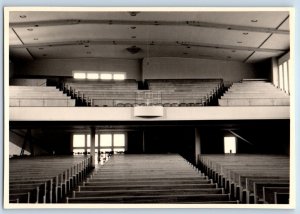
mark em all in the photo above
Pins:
pixel 45 179
pixel 246 177
pixel 148 179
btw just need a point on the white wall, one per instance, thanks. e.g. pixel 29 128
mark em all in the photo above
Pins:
pixel 178 68
pixel 64 67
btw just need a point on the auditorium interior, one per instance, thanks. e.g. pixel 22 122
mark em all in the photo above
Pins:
pixel 148 107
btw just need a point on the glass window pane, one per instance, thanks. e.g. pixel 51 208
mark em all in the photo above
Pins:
pixel 106 76
pixel 78 140
pixel 119 76
pixel 78 151
pixel 79 75
pixel 281 76
pixel 119 139
pixel 105 140
pixel 230 145
pixel 92 76
pixel 119 150
pixel 285 75
pixel 105 150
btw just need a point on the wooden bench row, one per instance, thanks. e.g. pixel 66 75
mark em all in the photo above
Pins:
pixel 246 177
pixel 45 180
pixel 148 179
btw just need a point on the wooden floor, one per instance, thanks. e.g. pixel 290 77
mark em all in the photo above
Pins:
pixel 166 178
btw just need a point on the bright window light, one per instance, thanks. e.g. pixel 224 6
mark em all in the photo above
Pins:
pixel 79 75
pixel 229 145
pixel 92 76
pixel 105 140
pixel 119 140
pixel 106 76
pixel 119 76
pixel 78 140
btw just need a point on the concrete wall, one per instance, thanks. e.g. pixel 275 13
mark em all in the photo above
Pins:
pixel 179 68
pixel 64 67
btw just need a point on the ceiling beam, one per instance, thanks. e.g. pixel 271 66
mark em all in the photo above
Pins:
pixel 145 43
pixel 148 23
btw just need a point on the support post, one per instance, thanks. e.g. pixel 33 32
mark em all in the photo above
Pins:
pixel 197 145
pixel 92 153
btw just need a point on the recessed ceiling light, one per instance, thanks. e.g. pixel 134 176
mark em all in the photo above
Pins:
pixel 36 39
pixel 133 37
pixel 254 20
pixel 133 27
pixel 239 42
pixel 29 29
pixel 245 33
pixel 133 13
pixel 22 16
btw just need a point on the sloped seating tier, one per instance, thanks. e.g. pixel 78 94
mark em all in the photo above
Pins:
pixel 203 90
pixel 37 96
pixel 245 176
pixel 254 93
pixel 45 179
pixel 166 178
pixel 102 93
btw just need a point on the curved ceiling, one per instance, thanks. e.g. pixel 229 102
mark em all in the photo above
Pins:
pixel 245 36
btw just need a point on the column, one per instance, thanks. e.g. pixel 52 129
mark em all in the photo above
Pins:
pixel 93 132
pixel 197 145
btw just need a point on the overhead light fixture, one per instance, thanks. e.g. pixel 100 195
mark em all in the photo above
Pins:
pixel 133 13
pixel 133 49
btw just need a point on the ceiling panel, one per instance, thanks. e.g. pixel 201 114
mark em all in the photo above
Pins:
pixel 264 18
pixel 259 56
pixel 278 41
pixel 145 33
pixel 13 39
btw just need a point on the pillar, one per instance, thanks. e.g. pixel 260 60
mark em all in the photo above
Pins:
pixel 92 153
pixel 197 145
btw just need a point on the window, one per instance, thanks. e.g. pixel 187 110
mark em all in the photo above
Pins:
pixel 79 75
pixel 119 140
pixel 93 76
pixel 229 145
pixel 108 142
pixel 119 76
pixel 105 140
pixel 78 140
pixel 106 76
pixel 284 73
